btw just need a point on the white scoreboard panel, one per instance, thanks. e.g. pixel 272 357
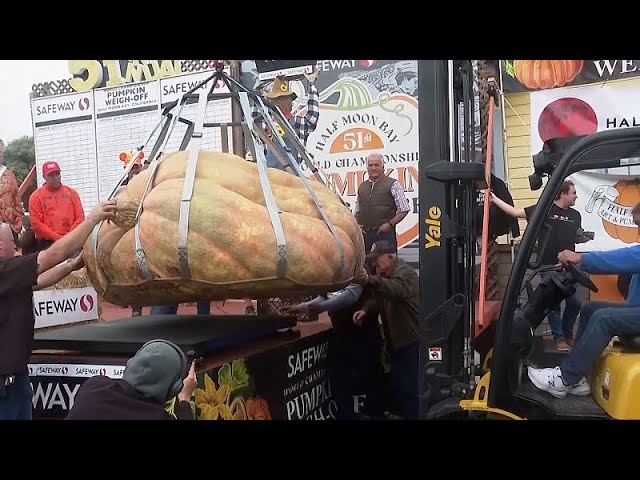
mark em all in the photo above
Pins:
pixel 125 117
pixel 173 88
pixel 86 132
pixel 64 131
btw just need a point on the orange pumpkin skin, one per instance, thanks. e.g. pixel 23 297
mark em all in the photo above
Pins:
pixel 544 74
pixel 628 196
pixel 229 227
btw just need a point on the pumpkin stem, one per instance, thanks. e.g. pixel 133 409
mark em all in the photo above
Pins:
pixel 126 210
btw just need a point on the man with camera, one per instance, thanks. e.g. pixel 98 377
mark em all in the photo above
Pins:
pixel 566 230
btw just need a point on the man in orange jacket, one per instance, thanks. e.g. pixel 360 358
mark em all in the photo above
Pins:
pixel 55 209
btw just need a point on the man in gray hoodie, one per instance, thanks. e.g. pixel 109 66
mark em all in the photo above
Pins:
pixel 157 373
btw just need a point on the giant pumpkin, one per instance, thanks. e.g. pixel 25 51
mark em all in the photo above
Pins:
pixel 232 249
pixel 628 196
pixel 543 74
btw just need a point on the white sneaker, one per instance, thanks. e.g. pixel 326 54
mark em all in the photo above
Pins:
pixel 549 380
pixel 581 389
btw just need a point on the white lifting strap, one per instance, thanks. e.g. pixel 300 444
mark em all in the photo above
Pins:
pixel 187 188
pixel 269 200
pixel 296 167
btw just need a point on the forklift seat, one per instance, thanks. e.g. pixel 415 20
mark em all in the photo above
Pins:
pixel 630 343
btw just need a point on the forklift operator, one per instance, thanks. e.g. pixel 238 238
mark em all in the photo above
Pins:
pixel 599 321
pixel 381 204
pixel 19 276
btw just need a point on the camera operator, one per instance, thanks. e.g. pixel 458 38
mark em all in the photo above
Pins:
pixel 566 232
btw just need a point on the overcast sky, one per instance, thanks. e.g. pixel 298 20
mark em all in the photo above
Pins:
pixel 16 79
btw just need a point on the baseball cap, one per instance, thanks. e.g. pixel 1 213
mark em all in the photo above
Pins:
pixel 50 167
pixel 380 248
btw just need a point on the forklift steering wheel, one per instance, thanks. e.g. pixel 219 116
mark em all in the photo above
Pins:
pixel 581 277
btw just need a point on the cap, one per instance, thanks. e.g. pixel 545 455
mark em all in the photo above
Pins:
pixel 50 167
pixel 381 247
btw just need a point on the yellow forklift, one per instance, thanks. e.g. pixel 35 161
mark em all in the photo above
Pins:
pixel 454 384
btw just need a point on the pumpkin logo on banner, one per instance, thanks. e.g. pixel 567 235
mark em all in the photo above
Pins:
pixel 544 74
pixel 613 204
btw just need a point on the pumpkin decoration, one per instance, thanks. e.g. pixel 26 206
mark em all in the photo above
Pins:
pixel 231 246
pixel 628 196
pixel 258 409
pixel 544 74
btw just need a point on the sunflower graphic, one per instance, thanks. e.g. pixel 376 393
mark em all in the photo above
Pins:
pixel 212 400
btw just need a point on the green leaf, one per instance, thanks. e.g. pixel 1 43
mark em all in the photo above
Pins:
pixel 240 376
pixel 509 68
pixel 224 375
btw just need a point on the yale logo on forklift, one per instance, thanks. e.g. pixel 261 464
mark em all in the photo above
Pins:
pixel 432 237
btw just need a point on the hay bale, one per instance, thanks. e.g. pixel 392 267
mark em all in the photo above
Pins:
pixel 77 279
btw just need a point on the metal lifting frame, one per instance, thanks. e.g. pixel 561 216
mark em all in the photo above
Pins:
pixel 258 138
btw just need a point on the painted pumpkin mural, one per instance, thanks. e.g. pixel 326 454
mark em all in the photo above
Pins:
pixel 545 74
pixel 628 196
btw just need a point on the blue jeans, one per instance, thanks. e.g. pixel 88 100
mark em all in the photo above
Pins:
pixel 372 236
pixel 405 366
pixel 272 161
pixel 203 306
pixel 562 326
pixel 16 399
pixel 599 323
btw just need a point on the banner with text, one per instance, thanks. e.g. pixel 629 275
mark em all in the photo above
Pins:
pixel 604 199
pixel 55 385
pixel 290 382
pixel 562 112
pixel 605 203
pixel 64 306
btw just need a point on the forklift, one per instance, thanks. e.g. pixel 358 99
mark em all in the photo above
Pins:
pixel 470 374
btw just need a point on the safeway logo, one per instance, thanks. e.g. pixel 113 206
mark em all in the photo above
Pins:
pixel 52 370
pixel 368 63
pixel 83 104
pixel 102 371
pixel 86 303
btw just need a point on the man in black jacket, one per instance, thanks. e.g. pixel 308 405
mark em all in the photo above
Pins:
pixel 153 377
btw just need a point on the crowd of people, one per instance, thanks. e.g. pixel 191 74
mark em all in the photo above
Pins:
pixel 375 319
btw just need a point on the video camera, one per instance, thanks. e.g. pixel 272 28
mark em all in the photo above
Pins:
pixel 585 233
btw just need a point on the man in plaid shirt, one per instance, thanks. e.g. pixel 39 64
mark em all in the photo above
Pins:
pixel 282 97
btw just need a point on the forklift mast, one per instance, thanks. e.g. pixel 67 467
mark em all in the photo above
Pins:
pixel 447 233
